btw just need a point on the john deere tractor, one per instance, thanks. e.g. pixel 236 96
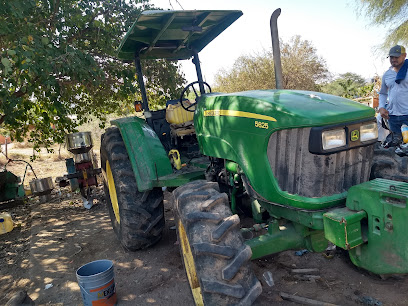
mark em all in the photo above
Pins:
pixel 297 162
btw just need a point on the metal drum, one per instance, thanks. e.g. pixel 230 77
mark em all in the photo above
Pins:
pixel 41 186
pixel 80 142
pixel 83 157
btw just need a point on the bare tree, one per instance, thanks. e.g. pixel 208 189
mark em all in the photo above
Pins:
pixel 302 69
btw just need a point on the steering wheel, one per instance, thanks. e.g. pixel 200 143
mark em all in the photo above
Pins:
pixel 191 107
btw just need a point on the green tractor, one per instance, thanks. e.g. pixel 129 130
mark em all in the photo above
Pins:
pixel 297 162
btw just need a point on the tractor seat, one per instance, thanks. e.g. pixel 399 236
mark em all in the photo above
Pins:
pixel 181 121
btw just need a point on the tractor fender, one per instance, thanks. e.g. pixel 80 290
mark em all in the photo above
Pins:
pixel 146 153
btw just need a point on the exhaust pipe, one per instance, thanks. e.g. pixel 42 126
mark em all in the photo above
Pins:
pixel 276 49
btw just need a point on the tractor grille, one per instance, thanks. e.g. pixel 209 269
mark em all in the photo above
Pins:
pixel 300 172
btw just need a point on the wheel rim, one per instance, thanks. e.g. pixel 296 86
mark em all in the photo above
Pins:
pixel 190 266
pixel 112 192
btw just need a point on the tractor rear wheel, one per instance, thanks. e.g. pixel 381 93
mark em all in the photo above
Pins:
pixel 137 217
pixel 389 165
pixel 216 260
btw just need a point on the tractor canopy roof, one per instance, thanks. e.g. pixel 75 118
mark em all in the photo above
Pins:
pixel 173 35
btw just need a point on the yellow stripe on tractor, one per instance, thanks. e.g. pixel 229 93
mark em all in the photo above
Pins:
pixel 234 113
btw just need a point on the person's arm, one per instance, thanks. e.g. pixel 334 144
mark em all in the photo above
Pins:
pixel 383 95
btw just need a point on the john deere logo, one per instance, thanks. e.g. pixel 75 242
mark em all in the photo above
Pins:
pixel 355 135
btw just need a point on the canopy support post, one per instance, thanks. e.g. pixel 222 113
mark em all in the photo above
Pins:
pixel 196 62
pixel 141 83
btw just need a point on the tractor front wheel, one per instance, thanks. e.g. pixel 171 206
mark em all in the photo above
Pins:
pixel 137 217
pixel 216 260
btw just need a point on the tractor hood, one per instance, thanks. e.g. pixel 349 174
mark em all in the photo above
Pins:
pixel 174 35
pixel 275 138
pixel 285 108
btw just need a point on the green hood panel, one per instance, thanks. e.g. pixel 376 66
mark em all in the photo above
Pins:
pixel 238 127
pixel 291 108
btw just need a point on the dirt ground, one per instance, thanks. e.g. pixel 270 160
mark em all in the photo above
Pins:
pixel 52 240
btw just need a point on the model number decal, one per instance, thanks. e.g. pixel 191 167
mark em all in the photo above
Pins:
pixel 261 125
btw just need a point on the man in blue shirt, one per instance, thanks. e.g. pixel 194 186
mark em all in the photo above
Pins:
pixel 394 87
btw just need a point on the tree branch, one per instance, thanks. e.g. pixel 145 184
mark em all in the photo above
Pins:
pixel 54 13
pixel 19 94
pixel 81 32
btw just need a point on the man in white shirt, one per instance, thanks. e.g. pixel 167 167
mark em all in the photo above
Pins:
pixel 394 86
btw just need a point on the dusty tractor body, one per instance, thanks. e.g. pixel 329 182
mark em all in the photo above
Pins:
pixel 296 161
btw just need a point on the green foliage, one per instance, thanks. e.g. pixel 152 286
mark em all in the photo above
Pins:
pixel 302 69
pixel 165 82
pixel 391 13
pixel 58 63
pixel 349 85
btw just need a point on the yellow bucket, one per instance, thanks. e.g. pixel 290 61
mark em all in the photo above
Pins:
pixel 6 223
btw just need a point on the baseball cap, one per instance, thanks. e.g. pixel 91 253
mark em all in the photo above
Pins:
pixel 396 51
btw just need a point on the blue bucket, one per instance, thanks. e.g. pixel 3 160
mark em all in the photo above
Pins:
pixel 96 280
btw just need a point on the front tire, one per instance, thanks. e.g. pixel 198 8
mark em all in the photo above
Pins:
pixel 137 217
pixel 216 260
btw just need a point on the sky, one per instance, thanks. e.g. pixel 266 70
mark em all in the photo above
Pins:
pixel 341 34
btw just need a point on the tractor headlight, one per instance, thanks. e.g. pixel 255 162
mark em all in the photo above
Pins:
pixel 333 139
pixel 368 132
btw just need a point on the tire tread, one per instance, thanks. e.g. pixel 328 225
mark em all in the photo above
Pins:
pixel 221 259
pixel 141 213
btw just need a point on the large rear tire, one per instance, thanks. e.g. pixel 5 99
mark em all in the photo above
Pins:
pixel 388 165
pixel 216 260
pixel 137 217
